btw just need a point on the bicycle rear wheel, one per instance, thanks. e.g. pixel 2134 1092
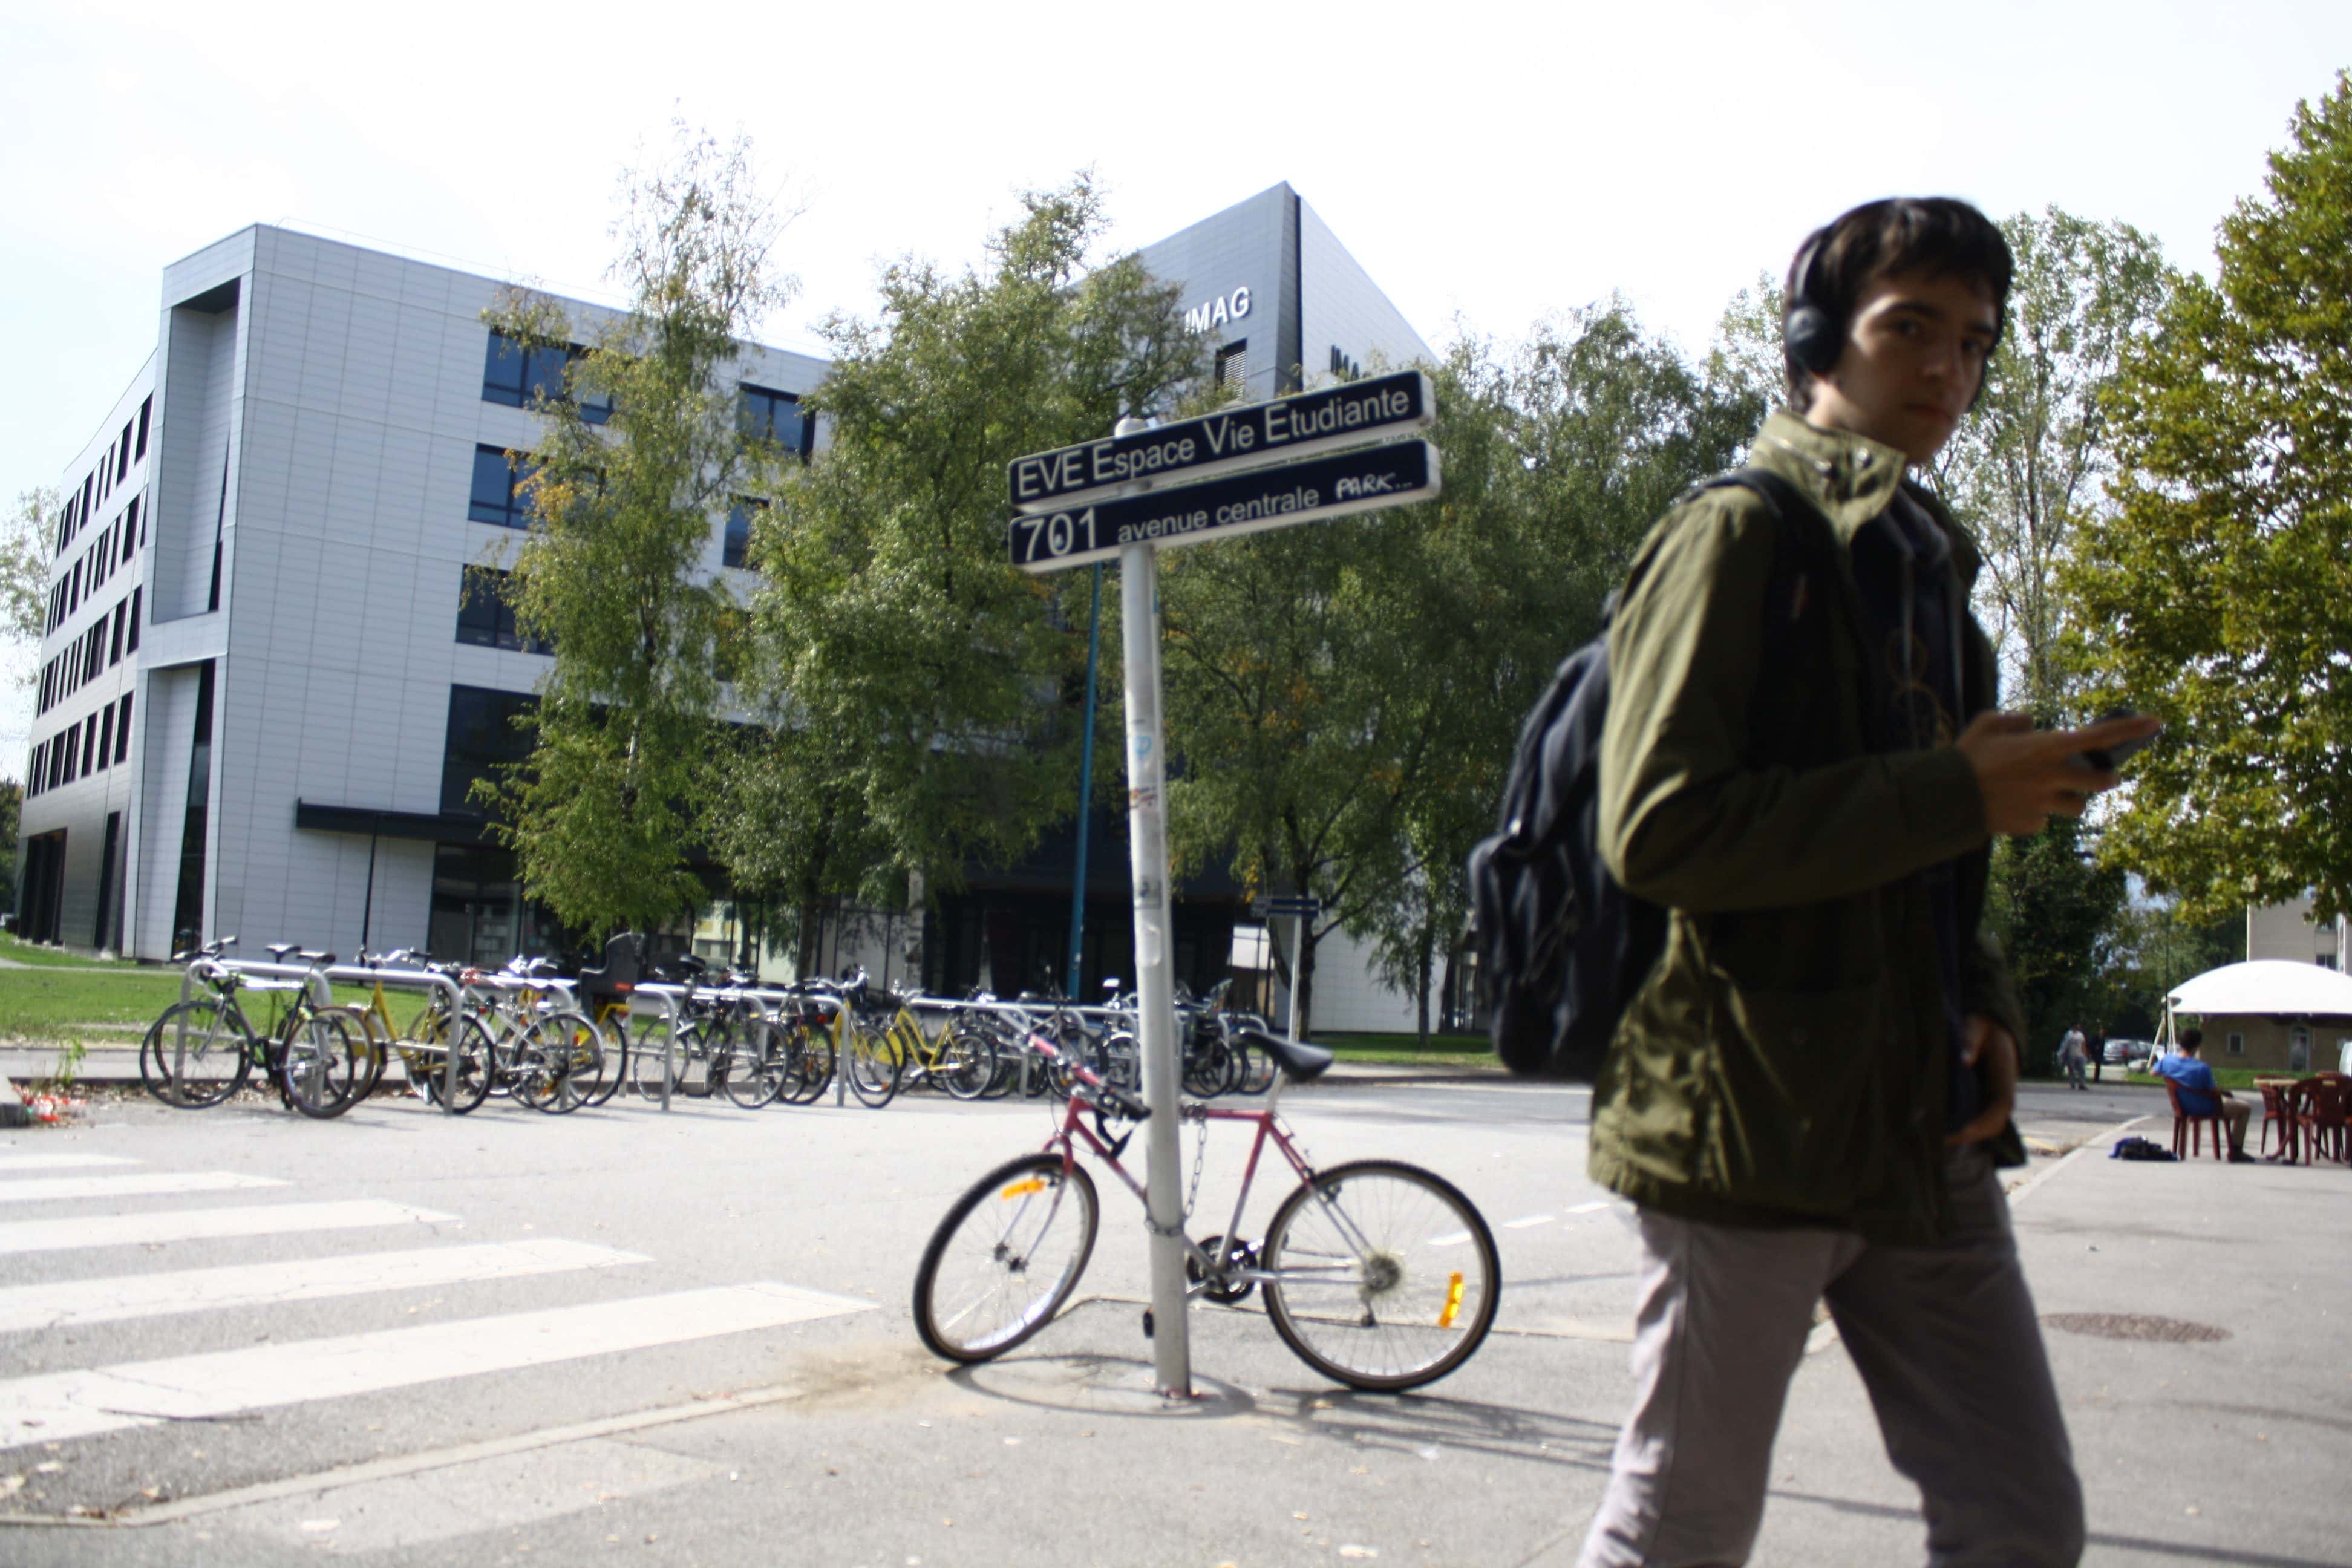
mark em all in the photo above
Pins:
pixel 590 1073
pixel 809 1062
pixel 1383 1276
pixel 428 1061
pixel 753 1064
pixel 1005 1257
pixel 646 1053
pixel 197 1053
pixel 613 1040
pixel 968 1062
pixel 325 1061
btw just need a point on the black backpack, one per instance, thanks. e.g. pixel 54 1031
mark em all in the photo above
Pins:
pixel 1562 948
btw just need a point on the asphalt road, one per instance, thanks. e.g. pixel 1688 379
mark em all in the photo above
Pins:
pixel 398 1282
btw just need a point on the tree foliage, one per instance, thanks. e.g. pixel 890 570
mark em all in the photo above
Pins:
pixel 616 570
pixel 2030 464
pixel 2219 593
pixel 916 687
pixel 1345 698
pixel 27 543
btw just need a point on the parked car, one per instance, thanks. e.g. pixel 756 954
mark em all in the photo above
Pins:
pixel 2124 1052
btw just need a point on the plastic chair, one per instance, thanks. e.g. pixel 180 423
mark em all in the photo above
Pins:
pixel 2321 1105
pixel 2276 1111
pixel 2188 1126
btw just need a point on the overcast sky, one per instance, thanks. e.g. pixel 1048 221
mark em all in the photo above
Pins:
pixel 1486 164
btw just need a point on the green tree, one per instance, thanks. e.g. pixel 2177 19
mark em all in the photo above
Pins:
pixel 894 641
pixel 1345 698
pixel 2219 595
pixel 12 806
pixel 26 543
pixel 2055 908
pixel 605 814
pixel 2030 464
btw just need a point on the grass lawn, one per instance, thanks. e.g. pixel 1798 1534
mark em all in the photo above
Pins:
pixel 1405 1050
pixel 2239 1078
pixel 18 951
pixel 112 1004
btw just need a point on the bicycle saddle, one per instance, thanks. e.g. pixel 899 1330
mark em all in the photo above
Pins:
pixel 1299 1062
pixel 321 959
pixel 279 949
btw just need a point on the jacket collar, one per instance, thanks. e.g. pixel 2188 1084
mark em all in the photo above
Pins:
pixel 1850 480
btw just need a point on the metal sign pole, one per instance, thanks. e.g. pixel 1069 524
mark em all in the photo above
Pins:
pixel 1155 998
pixel 1086 793
pixel 1298 967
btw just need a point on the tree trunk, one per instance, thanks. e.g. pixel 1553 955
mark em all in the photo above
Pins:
pixel 1426 941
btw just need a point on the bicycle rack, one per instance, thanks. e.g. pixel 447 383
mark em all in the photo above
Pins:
pixel 323 992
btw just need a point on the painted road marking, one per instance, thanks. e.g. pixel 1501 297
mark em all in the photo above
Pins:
pixel 56 1407
pixel 207 1225
pixel 82 1301
pixel 12 1164
pixel 1591 1208
pixel 55 1189
pixel 1524 1221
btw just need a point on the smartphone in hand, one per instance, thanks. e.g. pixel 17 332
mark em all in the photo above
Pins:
pixel 2108 759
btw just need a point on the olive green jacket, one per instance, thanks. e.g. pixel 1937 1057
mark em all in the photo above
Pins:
pixel 1786 1062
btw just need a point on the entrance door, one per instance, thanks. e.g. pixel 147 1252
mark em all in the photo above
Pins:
pixel 45 876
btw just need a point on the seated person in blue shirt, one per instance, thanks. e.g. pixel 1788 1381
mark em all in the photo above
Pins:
pixel 2197 1094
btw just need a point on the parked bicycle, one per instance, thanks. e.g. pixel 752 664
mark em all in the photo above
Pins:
pixel 202 1051
pixel 1378 1274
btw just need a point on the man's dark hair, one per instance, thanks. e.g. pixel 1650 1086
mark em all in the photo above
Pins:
pixel 2192 1040
pixel 1941 236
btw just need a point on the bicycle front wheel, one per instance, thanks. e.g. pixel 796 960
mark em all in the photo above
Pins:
pixel 1380 1275
pixel 968 1062
pixel 197 1053
pixel 872 1067
pixel 1005 1257
pixel 326 1059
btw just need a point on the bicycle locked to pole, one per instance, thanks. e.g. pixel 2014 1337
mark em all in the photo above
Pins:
pixel 1377 1273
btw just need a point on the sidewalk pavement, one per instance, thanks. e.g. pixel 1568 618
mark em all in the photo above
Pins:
pixel 2195 1318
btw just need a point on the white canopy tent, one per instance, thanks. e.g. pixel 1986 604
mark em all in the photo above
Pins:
pixel 2272 987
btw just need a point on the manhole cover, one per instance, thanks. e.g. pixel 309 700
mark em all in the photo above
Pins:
pixel 2133 1326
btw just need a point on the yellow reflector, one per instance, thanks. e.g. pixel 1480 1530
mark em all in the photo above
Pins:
pixel 1037 1185
pixel 1453 1300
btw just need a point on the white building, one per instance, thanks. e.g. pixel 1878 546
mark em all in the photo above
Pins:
pixel 264 694
pixel 258 602
pixel 2288 932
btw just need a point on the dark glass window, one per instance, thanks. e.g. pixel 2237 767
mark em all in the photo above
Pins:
pixel 122 614
pixel 767 415
pixel 90 745
pixel 122 463
pixel 146 408
pixel 130 643
pixel 104 748
pixel 1233 368
pixel 514 374
pixel 33 779
pixel 482 738
pixel 123 729
pixel 484 618
pixel 494 499
pixel 188 907
pixel 738 546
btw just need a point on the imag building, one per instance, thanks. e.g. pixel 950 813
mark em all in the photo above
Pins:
pixel 266 690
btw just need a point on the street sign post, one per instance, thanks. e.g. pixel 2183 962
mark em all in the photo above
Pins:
pixel 1225 507
pixel 1237 471
pixel 1250 436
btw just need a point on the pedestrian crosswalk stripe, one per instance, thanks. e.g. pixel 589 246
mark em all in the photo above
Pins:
pixel 12 1164
pixel 207 1224
pixel 56 1407
pixel 79 1302
pixel 51 1189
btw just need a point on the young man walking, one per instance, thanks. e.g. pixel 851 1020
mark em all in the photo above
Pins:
pixel 1808 1095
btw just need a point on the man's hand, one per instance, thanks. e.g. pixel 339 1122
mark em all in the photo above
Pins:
pixel 2028 775
pixel 1989 1043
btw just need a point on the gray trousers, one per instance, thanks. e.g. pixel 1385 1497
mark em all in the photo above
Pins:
pixel 1948 1345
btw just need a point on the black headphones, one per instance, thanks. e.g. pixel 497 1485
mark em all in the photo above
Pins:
pixel 1814 334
